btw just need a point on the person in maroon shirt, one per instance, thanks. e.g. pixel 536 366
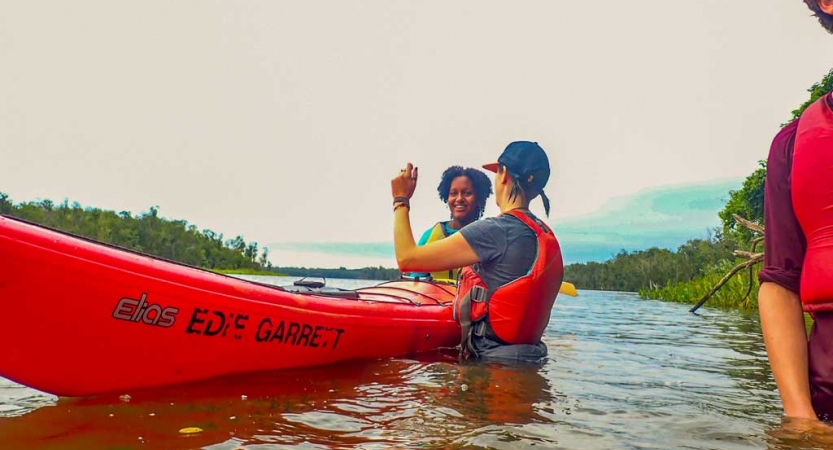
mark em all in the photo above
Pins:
pixel 803 370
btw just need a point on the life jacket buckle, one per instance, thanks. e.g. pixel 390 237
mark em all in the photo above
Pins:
pixel 479 328
pixel 479 294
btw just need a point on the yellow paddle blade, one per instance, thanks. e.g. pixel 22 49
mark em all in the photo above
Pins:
pixel 568 289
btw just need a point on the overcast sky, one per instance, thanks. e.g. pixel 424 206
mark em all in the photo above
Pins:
pixel 285 121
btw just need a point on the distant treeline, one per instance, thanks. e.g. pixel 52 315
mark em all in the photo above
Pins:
pixel 689 273
pixel 148 233
pixel 652 268
pixel 366 273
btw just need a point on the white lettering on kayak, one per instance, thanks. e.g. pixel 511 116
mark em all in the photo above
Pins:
pixel 133 310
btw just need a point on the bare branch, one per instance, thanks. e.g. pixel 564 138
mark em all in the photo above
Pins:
pixel 749 255
pixel 747 224
pixel 723 281
pixel 754 243
pixel 749 288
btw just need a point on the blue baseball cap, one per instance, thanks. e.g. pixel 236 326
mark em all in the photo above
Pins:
pixel 527 162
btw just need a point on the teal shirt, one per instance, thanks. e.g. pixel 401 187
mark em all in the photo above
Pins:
pixel 448 232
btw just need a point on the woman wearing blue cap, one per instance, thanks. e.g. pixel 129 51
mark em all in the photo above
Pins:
pixel 512 265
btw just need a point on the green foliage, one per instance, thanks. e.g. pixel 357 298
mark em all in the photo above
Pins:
pixel 248 272
pixel 747 202
pixel 174 240
pixel 648 269
pixel 6 205
pixel 264 259
pixel 730 295
pixel 695 268
pixel 816 92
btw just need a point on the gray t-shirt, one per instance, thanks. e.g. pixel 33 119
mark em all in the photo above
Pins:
pixel 505 246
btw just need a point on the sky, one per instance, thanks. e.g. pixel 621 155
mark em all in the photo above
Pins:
pixel 658 217
pixel 284 122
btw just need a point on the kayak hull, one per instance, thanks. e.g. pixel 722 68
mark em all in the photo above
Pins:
pixel 82 318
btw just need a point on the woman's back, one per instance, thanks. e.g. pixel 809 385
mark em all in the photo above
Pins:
pixel 506 247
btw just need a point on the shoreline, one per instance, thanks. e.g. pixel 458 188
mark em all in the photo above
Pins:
pixel 247 272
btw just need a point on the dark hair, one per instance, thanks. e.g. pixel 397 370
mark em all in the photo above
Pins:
pixel 528 194
pixel 826 20
pixel 482 185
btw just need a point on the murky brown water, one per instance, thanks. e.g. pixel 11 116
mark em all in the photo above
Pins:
pixel 624 373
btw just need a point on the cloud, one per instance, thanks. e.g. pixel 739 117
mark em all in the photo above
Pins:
pixel 663 217
pixel 658 217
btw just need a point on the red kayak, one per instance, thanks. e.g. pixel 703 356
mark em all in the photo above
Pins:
pixel 80 318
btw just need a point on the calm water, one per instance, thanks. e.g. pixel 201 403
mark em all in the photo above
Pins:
pixel 624 373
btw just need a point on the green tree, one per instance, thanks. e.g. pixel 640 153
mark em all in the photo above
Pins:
pixel 747 202
pixel 264 257
pixel 147 232
pixel 816 91
pixel 5 204
pixel 251 251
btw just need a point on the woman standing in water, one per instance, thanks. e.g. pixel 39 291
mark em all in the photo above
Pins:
pixel 512 265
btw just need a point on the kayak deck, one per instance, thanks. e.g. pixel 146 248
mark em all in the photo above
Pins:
pixel 88 318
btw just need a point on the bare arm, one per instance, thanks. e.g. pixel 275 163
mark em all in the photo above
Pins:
pixel 780 308
pixel 782 320
pixel 450 253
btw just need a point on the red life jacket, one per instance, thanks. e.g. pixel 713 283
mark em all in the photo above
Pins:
pixel 812 196
pixel 519 311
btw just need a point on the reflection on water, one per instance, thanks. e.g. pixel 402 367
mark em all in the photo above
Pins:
pixel 624 373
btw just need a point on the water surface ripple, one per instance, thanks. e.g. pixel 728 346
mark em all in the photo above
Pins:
pixel 624 373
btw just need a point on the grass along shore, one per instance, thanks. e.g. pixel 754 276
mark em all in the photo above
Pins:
pixel 731 295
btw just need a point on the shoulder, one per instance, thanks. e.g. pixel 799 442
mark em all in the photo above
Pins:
pixel 491 232
pixel 426 235
pixel 487 237
pixel 519 225
pixel 487 225
pixel 446 228
pixel 783 142
pixel 779 160
pixel 501 230
pixel 439 227
pixel 503 222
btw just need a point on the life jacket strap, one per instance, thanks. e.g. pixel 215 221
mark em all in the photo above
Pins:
pixel 476 294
